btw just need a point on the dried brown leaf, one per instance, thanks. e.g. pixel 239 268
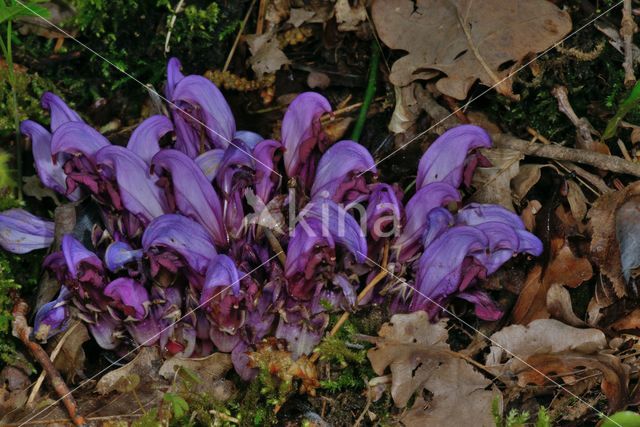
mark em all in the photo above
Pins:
pixel 605 250
pixel 460 39
pixel 299 16
pixel 418 357
pixel 71 359
pixel 527 177
pixel 267 57
pixel 543 336
pixel 530 304
pixel 615 377
pixel 350 17
pixel 559 305
pixel 493 183
pixel 577 201
pixel 143 365
pixel 210 370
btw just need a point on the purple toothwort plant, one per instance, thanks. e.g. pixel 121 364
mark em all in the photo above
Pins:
pixel 186 255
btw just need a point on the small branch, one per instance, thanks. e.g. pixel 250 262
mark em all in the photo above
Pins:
pixel 600 161
pixel 177 10
pixel 261 11
pixel 275 245
pixel 627 29
pixel 238 37
pixel 369 93
pixel 21 330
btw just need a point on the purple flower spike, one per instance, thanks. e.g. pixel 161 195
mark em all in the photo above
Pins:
pixel 222 274
pixel 268 153
pixel 338 174
pixel 442 265
pixel 79 259
pixel 77 138
pixel 209 162
pixel 130 297
pixel 194 195
pixel 183 236
pixel 302 132
pixel 384 210
pixel 51 175
pixel 139 193
pixel 446 159
pixel 434 195
pixel 119 254
pixel 145 139
pixel 337 223
pixel 196 97
pixel 485 307
pixel 53 317
pixel 21 232
pixel 60 111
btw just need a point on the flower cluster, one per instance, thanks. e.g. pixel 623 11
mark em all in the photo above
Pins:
pixel 194 213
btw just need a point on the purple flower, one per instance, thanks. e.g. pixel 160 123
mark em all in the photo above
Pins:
pixel 442 267
pixel 182 236
pixel 53 317
pixel 235 175
pixel 145 140
pixel 193 194
pixel 384 210
pixel 485 307
pixel 119 254
pixel 76 138
pixel 302 135
pixel 197 101
pixel 60 112
pixel 130 298
pixel 452 157
pixel 339 172
pixel 268 153
pixel 429 197
pixel 21 232
pixel 82 264
pixel 438 221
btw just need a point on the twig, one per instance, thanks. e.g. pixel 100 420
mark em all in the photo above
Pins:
pixel 261 11
pixel 366 406
pixel 177 10
pixel 224 416
pixel 600 161
pixel 582 125
pixel 275 245
pixel 21 330
pixel 369 93
pixel 627 29
pixel 237 40
pixel 54 354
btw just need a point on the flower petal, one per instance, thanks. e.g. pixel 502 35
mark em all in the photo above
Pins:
pixel 301 130
pixel 434 195
pixel 174 75
pixel 53 317
pixel 119 254
pixel 77 138
pixel 59 110
pixel 183 236
pixel 485 307
pixel 139 193
pixel 339 224
pixel 130 297
pixel 444 160
pixel 221 273
pixel 22 232
pixel 51 175
pixel 198 98
pixel 267 153
pixel 194 195
pixel 76 254
pixel 384 209
pixel 440 268
pixel 339 171
pixel 248 138
pixel 209 162
pixel 145 139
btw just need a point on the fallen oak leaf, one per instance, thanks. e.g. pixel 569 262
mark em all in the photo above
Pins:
pixel 460 39
pixel 615 376
pixel 559 305
pixel 416 353
pixel 543 336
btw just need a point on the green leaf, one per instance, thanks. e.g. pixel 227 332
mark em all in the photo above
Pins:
pixel 179 406
pixel 626 106
pixel 18 11
pixel 622 419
